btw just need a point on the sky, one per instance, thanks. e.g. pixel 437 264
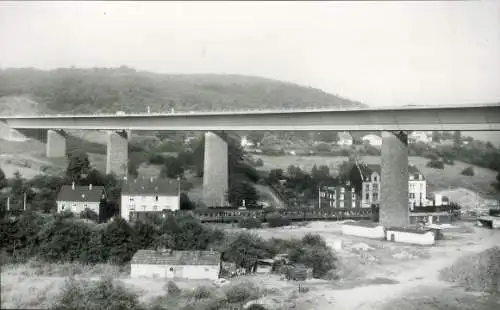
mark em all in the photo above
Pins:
pixel 379 53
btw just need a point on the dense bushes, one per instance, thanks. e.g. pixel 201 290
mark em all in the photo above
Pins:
pixel 104 294
pixel 477 272
pixel 436 164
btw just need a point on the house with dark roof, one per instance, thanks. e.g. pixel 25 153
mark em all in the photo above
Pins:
pixel 149 196
pixel 172 264
pixel 78 198
pixel 370 177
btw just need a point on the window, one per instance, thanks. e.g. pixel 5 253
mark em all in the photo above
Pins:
pixel 367 196
pixel 207 269
pixel 171 269
pixel 156 198
pixel 354 204
pixel 353 196
pixel 375 187
pixel 375 196
pixel 62 208
pixel 341 197
pixel 367 187
pixel 375 178
pixel 341 204
pixel 131 198
pixel 342 189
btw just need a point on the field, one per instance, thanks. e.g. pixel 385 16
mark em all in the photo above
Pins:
pixel 449 177
pixel 372 275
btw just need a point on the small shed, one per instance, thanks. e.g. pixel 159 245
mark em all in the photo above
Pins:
pixel 264 265
pixel 298 272
pixel 411 235
pixel 364 229
pixel 176 264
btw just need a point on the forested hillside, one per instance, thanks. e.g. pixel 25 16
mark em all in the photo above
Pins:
pixel 125 89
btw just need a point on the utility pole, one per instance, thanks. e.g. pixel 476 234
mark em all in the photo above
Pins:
pixel 319 197
pixel 24 201
pixel 8 203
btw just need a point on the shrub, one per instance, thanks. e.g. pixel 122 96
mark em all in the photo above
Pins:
pixel 469 171
pixel 242 292
pixel 276 220
pixel 436 164
pixel 477 272
pixel 172 288
pixel 250 222
pixel 89 214
pixel 202 292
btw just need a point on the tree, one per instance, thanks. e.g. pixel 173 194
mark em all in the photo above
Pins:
pixel 186 203
pixel 3 180
pixel 172 168
pixel 275 176
pixel 469 171
pixel 436 136
pixel 498 180
pixel 119 241
pixel 457 138
pixel 242 191
pixel 78 166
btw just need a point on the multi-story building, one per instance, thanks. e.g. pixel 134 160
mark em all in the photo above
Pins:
pixel 78 198
pixel 372 139
pixel 149 196
pixel 370 177
pixel 338 197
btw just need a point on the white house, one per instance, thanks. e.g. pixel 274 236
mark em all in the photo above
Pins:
pixel 420 136
pixel 371 182
pixel 176 264
pixel 411 236
pixel 344 138
pixel 372 139
pixel 149 195
pixel 363 229
pixel 245 143
pixel 78 198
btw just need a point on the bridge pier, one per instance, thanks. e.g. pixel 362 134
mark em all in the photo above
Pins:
pixel 117 153
pixel 394 184
pixel 215 170
pixel 56 144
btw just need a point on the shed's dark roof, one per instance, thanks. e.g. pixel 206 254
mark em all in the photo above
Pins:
pixel 151 187
pixel 81 193
pixel 408 230
pixel 153 257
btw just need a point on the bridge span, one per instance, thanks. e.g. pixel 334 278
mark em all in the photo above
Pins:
pixel 394 122
pixel 467 118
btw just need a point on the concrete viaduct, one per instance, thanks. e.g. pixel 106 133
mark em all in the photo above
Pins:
pixel 394 122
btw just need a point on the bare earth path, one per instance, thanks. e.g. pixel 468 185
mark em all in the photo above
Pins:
pixel 412 275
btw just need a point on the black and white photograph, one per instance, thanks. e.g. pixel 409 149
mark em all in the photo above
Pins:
pixel 250 155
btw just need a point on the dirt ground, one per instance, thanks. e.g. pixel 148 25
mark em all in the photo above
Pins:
pixel 374 275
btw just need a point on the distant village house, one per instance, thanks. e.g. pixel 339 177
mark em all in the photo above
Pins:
pixel 78 198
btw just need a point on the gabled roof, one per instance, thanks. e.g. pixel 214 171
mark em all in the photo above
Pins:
pixel 80 193
pixel 149 187
pixel 367 170
pixel 153 257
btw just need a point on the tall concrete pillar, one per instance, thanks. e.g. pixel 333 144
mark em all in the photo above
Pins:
pixel 394 184
pixel 117 154
pixel 215 171
pixel 56 144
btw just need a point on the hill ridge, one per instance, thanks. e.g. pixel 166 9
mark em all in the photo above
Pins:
pixel 80 90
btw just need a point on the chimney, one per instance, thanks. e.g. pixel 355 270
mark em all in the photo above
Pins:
pixel 73 185
pixel 90 187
